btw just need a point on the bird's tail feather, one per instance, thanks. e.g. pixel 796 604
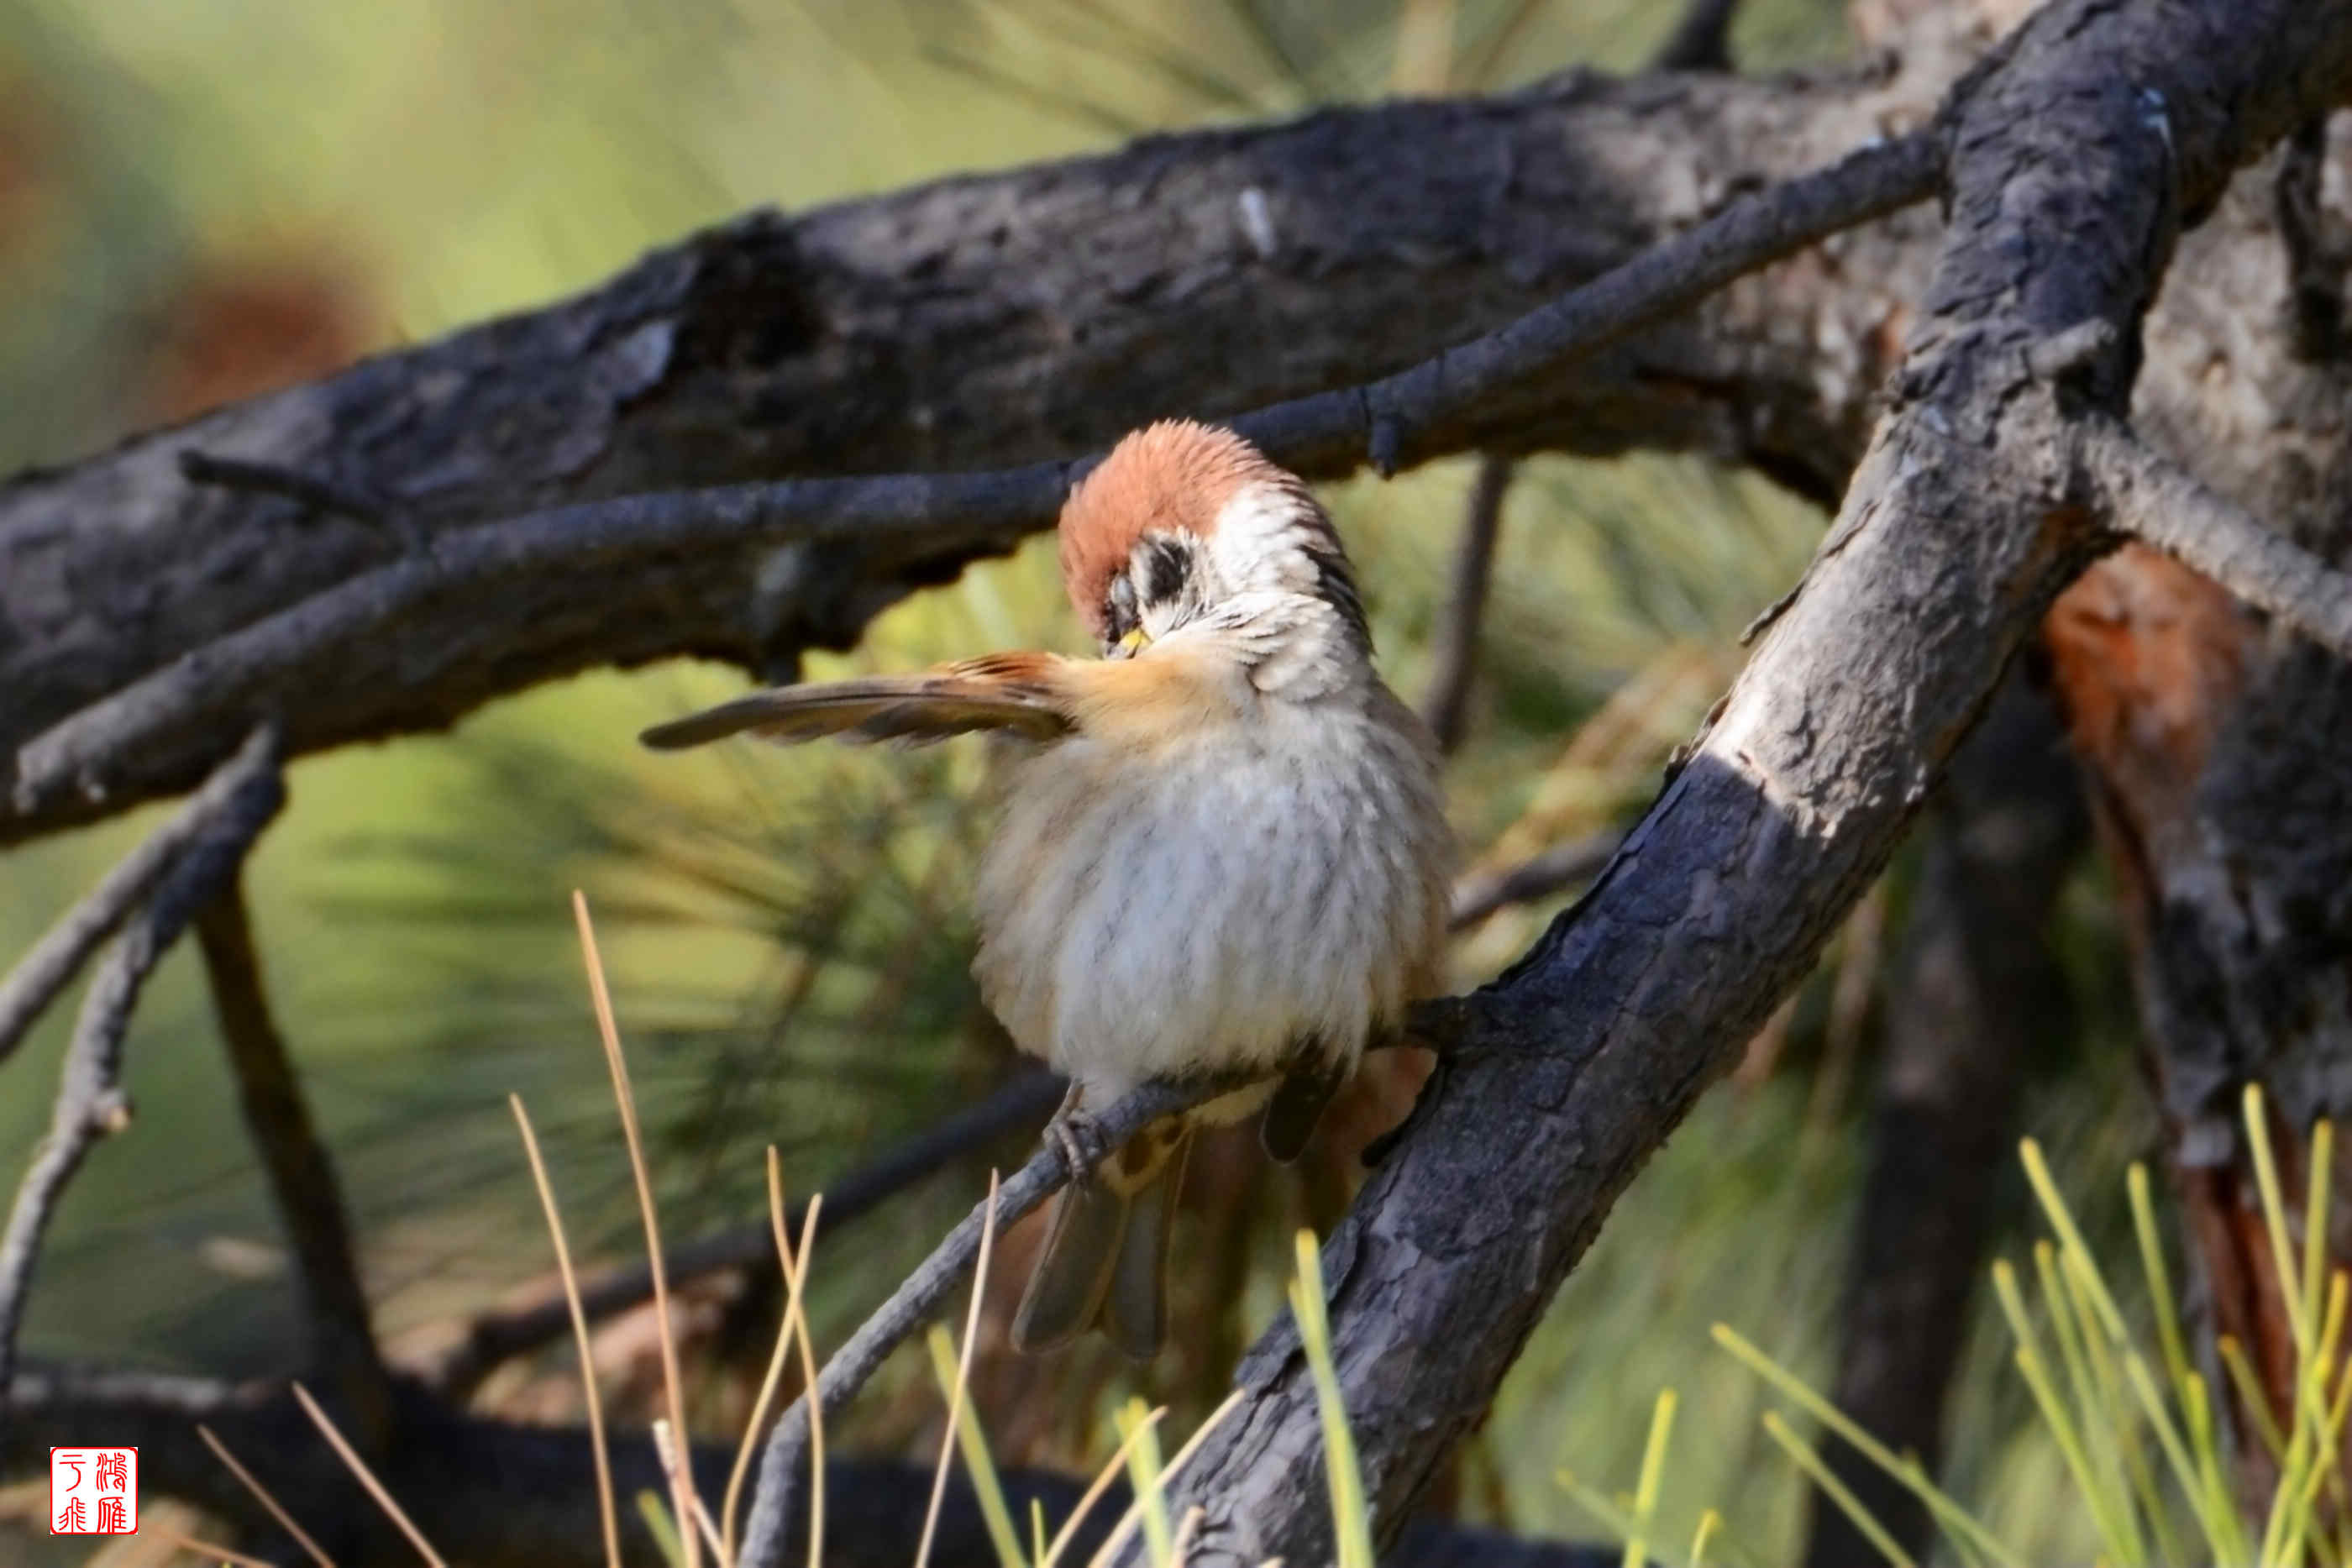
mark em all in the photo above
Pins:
pixel 1106 1255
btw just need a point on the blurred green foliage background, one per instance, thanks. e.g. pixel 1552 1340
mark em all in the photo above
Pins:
pixel 202 198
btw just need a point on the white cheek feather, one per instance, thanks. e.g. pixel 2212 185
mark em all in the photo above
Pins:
pixel 1268 885
pixel 1256 542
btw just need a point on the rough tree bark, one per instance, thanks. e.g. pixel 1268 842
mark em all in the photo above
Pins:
pixel 2075 155
pixel 2221 746
pixel 977 323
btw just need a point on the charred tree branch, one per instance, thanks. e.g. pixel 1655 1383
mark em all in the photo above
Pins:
pixel 2149 497
pixel 301 1174
pixel 1478 894
pixel 1701 41
pixel 59 955
pixel 1962 526
pixel 1446 706
pixel 90 1103
pixel 1408 416
pixel 918 330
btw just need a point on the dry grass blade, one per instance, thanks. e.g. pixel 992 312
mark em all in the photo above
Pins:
pixel 682 1503
pixel 1109 1473
pixel 262 1495
pixel 795 1276
pixel 963 1375
pixel 796 1313
pixel 359 1467
pixel 673 1464
pixel 1134 1515
pixel 211 1554
pixel 606 1515
pixel 1185 1532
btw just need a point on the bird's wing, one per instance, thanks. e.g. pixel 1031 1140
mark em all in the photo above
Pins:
pixel 1021 692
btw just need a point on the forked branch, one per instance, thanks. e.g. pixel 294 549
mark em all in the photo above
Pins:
pixel 91 1102
pixel 59 955
pixel 2148 497
pixel 1399 419
pixel 302 1179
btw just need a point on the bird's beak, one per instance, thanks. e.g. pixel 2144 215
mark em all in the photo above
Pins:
pixel 1134 642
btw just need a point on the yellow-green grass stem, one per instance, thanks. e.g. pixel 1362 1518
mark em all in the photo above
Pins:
pixel 1954 1519
pixel 1838 1492
pixel 1352 1514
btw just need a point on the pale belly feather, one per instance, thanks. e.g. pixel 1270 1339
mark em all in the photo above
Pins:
pixel 1246 893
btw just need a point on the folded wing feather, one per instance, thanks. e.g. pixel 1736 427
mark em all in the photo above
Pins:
pixel 1015 692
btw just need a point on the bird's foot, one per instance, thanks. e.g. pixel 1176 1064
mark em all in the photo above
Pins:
pixel 1078 1137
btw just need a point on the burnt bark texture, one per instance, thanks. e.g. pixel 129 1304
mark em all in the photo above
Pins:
pixel 977 323
pixel 2076 152
pixel 1975 994
pixel 2220 746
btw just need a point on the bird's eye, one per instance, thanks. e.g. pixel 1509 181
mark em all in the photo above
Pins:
pixel 1120 607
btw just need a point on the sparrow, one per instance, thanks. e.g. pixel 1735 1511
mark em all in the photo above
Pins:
pixel 1221 847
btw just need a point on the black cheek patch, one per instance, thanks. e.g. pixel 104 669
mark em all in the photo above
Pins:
pixel 1165 571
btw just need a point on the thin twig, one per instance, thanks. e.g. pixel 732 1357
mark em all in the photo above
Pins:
pixel 1701 41
pixel 918 1298
pixel 1477 894
pixel 1388 421
pixel 262 1495
pixel 2149 497
pixel 366 1476
pixel 308 490
pixel 495 1337
pixel 44 971
pixel 2315 254
pixel 1446 706
pixel 90 1101
pixel 673 1385
pixel 302 1179
pixel 607 1515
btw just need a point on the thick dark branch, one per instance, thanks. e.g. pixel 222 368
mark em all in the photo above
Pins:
pixel 1477 894
pixel 495 1338
pixel 2073 155
pixel 1454 656
pixel 1701 41
pixel 2151 499
pixel 343 1351
pixel 1418 413
pixel 928 329
pixel 91 1102
pixel 98 749
pixel 44 971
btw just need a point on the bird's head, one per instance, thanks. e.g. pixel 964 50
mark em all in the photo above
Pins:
pixel 1184 521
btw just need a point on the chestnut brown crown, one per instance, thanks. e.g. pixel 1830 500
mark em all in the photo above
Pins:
pixel 1146 520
